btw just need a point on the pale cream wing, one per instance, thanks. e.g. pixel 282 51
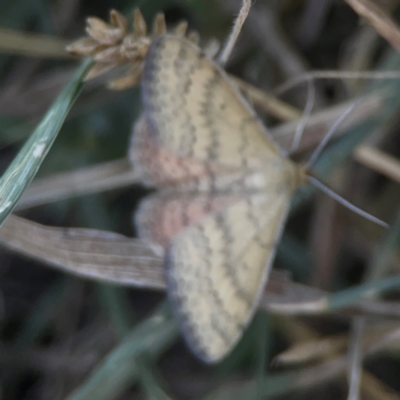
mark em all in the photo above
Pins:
pixel 217 269
pixel 159 166
pixel 195 110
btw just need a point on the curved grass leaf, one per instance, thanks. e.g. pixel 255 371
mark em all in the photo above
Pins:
pixel 27 162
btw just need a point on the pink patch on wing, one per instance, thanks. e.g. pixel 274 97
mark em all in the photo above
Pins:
pixel 158 166
pixel 160 218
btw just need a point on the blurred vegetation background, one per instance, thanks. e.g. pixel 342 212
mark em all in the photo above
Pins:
pixel 63 337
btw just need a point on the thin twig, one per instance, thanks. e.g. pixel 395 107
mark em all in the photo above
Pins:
pixel 320 122
pixel 263 25
pixel 355 358
pixel 377 17
pixel 378 161
pixel 101 177
pixel 269 103
pixel 237 27
pixel 32 44
pixel 304 378
pixel 334 74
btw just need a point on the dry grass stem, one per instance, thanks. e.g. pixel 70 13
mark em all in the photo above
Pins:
pixel 319 123
pixel 264 27
pixel 98 255
pixel 378 161
pixel 333 74
pixel 358 54
pixel 267 102
pixel 101 177
pixel 320 349
pixel 31 44
pixel 374 388
pixel 312 350
pixel 378 18
pixel 321 373
pixel 237 27
pixel 355 357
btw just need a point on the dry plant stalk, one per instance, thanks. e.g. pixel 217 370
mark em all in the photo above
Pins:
pixel 112 46
pixel 378 18
pixel 379 161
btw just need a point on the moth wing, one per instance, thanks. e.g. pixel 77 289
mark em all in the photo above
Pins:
pixel 195 110
pixel 162 216
pixel 216 271
pixel 158 166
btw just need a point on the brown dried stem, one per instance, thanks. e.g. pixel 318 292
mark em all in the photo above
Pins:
pixel 377 17
pixel 379 161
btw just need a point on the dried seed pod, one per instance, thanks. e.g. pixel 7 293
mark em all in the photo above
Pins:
pixel 129 79
pixel 102 32
pixel 159 25
pixel 84 47
pixel 181 29
pixel 194 37
pixel 111 45
pixel 139 24
pixel 118 20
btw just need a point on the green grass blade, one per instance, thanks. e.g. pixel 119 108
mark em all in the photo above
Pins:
pixel 119 369
pixel 116 302
pixel 27 162
pixel 43 312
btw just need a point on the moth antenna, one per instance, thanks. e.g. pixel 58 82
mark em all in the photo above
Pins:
pixel 331 193
pixel 328 136
pixel 237 27
pixel 306 115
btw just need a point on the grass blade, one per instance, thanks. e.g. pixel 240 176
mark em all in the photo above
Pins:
pixel 27 162
pixel 119 369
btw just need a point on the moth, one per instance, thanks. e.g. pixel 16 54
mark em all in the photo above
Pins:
pixel 224 191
